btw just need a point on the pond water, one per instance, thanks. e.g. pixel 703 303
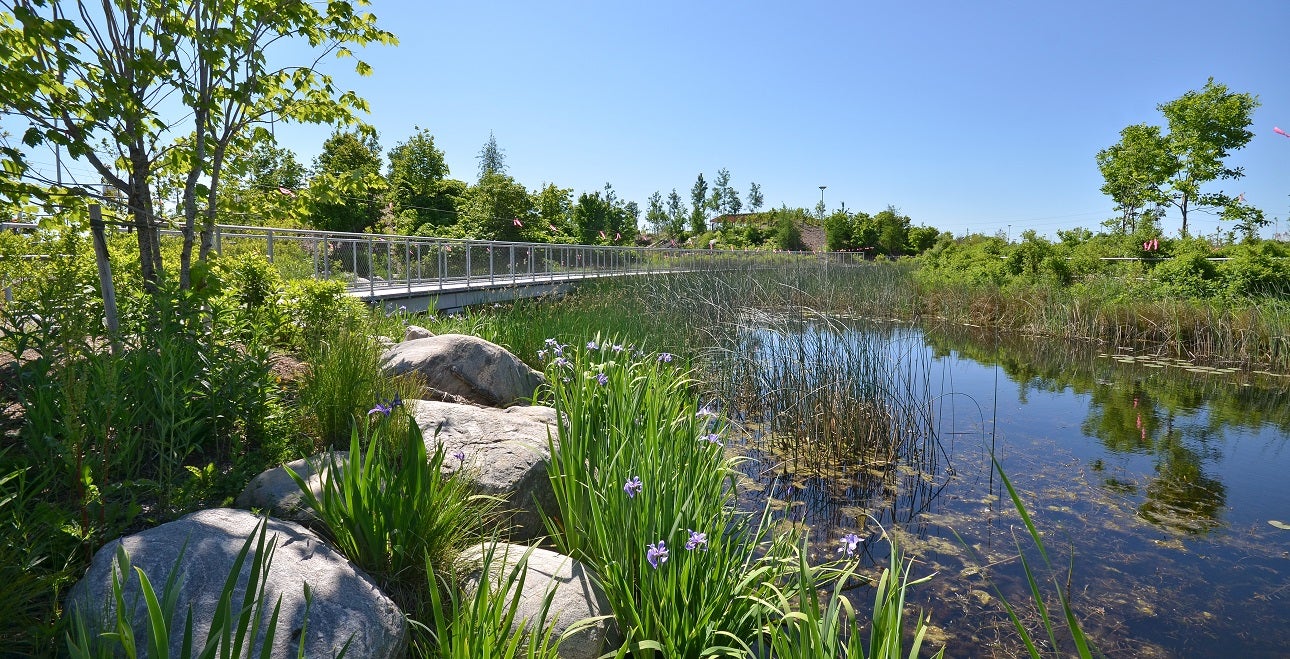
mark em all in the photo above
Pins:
pixel 1160 485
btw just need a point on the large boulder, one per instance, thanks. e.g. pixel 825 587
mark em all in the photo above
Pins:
pixel 504 452
pixel 275 492
pixel 575 596
pixel 347 607
pixel 415 332
pixel 466 366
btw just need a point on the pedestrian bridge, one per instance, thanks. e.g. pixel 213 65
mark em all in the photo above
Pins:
pixel 442 274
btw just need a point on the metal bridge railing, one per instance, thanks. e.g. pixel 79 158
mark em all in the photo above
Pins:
pixel 374 263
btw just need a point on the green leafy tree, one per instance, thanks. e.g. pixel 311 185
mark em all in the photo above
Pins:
pixel 492 160
pixel 893 230
pixel 555 209
pixel 755 198
pixel 839 232
pixel 591 218
pixel 1134 169
pixel 1169 170
pixel 135 88
pixel 347 190
pixel 676 214
pixel 1204 128
pixel 655 214
pixel 698 197
pixel 922 239
pixel 497 208
pixel 263 187
pixel 724 198
pixel 416 177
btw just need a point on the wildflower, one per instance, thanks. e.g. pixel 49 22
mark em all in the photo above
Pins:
pixel 665 357
pixel 711 438
pixel 397 402
pixel 849 543
pixel 656 554
pixel 542 355
pixel 460 456
pixel 591 345
pixel 551 343
pixel 633 486
pixel 697 541
pixel 381 408
pixel 618 348
pixel 403 308
pixel 602 379
pixel 561 361
pixel 706 412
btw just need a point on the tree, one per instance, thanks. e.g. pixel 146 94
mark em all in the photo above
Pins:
pixel 555 208
pixel 492 160
pixel 135 88
pixel 263 186
pixel 655 214
pixel 720 191
pixel 416 175
pixel 1204 128
pixel 346 192
pixel 493 206
pixel 755 199
pixel 676 213
pixel 893 230
pixel 1133 169
pixel 698 197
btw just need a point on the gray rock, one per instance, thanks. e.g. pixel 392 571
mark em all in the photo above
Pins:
pixel 465 366
pixel 347 606
pixel 506 454
pixel 574 596
pixel 275 492
pixel 415 332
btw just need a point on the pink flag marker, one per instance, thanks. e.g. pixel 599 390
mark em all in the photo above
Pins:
pixel 517 222
pixel 286 191
pixel 1278 131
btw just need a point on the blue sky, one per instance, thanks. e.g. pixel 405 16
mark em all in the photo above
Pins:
pixel 965 115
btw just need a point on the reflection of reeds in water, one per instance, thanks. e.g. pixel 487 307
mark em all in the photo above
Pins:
pixel 844 415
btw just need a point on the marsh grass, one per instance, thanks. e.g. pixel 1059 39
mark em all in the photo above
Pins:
pixel 801 626
pixel 239 624
pixel 392 510
pixel 480 620
pixel 631 416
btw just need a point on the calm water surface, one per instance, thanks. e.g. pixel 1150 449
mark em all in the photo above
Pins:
pixel 1155 479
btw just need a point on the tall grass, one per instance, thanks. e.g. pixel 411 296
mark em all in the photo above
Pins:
pixel 800 626
pixel 238 624
pixel 644 494
pixel 392 510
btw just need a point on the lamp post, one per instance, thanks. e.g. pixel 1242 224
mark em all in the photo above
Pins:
pixel 1009 234
pixel 822 201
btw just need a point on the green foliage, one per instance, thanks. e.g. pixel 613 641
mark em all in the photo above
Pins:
pixel 492 160
pixel 641 423
pixel 65 80
pixel 802 628
pixel 416 175
pixel 238 626
pixel 491 207
pixel 698 199
pixel 1148 169
pixel 481 622
pixel 393 511
pixel 347 190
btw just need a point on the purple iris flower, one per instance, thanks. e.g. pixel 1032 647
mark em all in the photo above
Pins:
pixel 460 456
pixel 665 357
pixel 712 438
pixel 633 486
pixel 381 408
pixel 561 361
pixel 849 543
pixel 656 554
pixel 602 379
pixel 591 345
pixel 697 541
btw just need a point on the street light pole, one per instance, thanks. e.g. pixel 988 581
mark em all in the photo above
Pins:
pixel 822 209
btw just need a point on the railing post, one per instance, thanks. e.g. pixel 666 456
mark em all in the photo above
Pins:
pixel 490 264
pixel 270 246
pixel 467 265
pixel 371 279
pixel 407 262
pixel 512 250
pixel 442 258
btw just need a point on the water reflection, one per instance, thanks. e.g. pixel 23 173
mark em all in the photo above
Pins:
pixel 1157 478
